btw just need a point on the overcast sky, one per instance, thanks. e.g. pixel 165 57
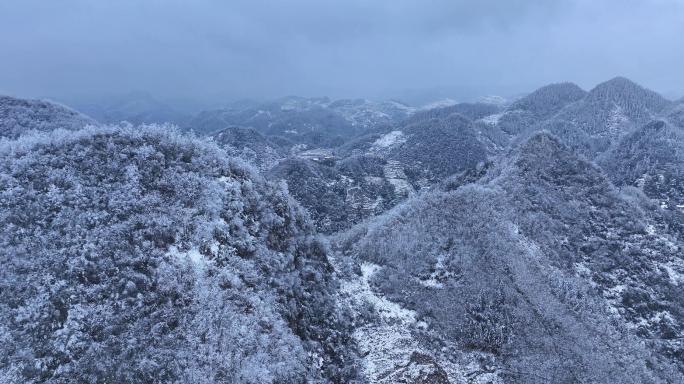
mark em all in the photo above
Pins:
pixel 207 49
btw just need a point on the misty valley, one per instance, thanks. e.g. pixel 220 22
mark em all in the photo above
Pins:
pixel 341 191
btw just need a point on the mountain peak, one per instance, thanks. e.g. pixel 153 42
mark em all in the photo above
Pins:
pixel 621 96
pixel 550 98
pixel 544 160
pixel 566 87
pixel 621 88
pixel 617 84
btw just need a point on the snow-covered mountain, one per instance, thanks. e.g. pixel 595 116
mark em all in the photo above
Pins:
pixel 549 99
pixel 539 272
pixel 250 145
pixel 652 159
pixel 351 241
pixel 140 255
pixel 19 116
pixel 305 119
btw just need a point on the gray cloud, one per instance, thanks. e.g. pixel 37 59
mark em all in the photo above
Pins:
pixel 207 49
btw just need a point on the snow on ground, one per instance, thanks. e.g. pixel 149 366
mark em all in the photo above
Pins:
pixel 388 341
pixel 616 120
pixel 492 119
pixel 192 255
pixel 388 346
pixel 394 173
pixel 437 276
pixel 355 197
pixel 675 270
pixel 361 290
pixel 390 139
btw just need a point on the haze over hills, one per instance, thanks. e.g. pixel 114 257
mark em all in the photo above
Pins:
pixel 536 240
pixel 18 116
pixel 134 107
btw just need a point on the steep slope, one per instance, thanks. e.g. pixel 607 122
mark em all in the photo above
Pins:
pixel 18 116
pixel 549 99
pixel 138 255
pixel 539 272
pixel 341 194
pixel 250 145
pixel 531 110
pixel 374 172
pixel 676 115
pixel 436 148
pixel 651 158
pixel 611 110
pixel 428 149
pixel 588 122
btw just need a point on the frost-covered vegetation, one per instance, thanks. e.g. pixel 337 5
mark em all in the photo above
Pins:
pixel 542 265
pixel 19 116
pixel 138 255
pixel 307 240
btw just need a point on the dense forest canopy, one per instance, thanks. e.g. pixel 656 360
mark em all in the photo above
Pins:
pixel 534 240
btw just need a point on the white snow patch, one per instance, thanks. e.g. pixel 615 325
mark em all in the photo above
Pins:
pixel 373 180
pixel 582 270
pixel 361 289
pixel 402 187
pixel 673 268
pixel 431 283
pixel 192 255
pixel 437 276
pixel 492 119
pixel 388 343
pixel 616 120
pixel 384 347
pixel 617 290
pixel 390 139
pixel 394 173
pixel 371 205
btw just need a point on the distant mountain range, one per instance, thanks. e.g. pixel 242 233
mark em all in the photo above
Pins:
pixel 538 240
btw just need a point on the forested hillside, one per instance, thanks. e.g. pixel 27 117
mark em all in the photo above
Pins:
pixel 19 116
pixel 540 272
pixel 306 240
pixel 159 252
